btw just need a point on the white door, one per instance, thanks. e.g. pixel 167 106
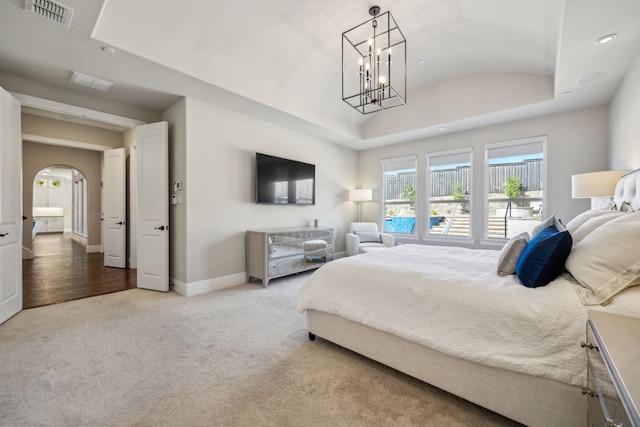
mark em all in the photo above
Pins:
pixel 114 207
pixel 152 203
pixel 133 210
pixel 10 207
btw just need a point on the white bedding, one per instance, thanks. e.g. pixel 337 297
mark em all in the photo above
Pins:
pixel 452 300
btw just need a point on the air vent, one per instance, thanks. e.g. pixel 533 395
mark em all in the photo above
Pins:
pixel 50 10
pixel 89 81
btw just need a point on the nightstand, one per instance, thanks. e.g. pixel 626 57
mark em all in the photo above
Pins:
pixel 613 369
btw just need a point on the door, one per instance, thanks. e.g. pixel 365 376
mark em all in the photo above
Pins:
pixel 10 207
pixel 152 204
pixel 114 206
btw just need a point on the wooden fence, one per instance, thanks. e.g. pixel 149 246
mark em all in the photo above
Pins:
pixel 395 184
pixel 443 181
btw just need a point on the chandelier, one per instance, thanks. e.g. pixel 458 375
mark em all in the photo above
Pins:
pixel 371 80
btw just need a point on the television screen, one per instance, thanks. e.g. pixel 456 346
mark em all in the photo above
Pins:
pixel 284 182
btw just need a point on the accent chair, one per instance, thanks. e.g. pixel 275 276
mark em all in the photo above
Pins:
pixel 364 237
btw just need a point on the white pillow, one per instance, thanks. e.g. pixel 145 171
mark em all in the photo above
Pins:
pixel 369 236
pixel 607 260
pixel 584 217
pixel 552 220
pixel 510 254
pixel 593 223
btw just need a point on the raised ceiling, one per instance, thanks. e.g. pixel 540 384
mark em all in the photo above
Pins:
pixel 470 63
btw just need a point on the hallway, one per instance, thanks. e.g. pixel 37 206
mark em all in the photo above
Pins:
pixel 63 271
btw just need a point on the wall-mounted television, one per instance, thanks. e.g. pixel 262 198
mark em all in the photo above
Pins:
pixel 284 182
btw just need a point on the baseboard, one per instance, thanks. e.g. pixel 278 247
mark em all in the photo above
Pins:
pixel 79 238
pixel 204 286
pixel 94 249
pixel 27 253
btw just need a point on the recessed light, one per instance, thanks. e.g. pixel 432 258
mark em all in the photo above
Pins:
pixel 591 78
pixel 606 39
pixel 567 93
pixel 421 61
pixel 441 129
pixel 108 49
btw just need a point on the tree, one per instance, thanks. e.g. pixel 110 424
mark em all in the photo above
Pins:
pixel 513 187
pixel 513 190
pixel 409 193
pixel 457 192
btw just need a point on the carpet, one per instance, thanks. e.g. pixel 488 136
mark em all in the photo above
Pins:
pixel 234 357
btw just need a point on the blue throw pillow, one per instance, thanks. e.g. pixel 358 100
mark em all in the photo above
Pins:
pixel 544 257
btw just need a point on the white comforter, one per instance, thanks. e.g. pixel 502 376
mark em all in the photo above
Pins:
pixel 451 299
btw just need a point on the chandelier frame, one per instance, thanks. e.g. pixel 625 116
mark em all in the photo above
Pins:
pixel 369 85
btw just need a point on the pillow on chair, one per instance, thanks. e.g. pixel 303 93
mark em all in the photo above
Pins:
pixel 368 236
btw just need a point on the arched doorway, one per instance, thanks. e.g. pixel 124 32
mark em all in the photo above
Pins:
pixel 53 201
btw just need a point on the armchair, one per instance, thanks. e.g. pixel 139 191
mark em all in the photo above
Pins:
pixel 365 237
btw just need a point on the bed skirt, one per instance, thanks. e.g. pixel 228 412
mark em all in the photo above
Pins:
pixel 530 400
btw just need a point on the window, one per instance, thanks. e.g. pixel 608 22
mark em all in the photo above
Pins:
pixel 399 190
pixel 515 186
pixel 449 183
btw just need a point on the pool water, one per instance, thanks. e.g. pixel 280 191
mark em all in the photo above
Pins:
pixel 406 224
pixel 400 224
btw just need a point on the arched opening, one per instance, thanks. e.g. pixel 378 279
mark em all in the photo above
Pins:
pixel 54 202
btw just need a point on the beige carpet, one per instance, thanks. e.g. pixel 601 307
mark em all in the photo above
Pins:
pixel 236 357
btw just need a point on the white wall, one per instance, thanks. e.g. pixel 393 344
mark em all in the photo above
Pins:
pixel 624 111
pixel 64 198
pixel 219 186
pixel 576 143
pixel 176 116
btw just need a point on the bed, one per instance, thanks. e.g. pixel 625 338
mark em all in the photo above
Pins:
pixel 444 315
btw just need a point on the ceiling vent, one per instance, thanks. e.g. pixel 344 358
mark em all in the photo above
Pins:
pixel 92 82
pixel 50 10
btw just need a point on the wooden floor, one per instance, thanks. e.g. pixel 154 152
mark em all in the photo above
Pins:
pixel 62 271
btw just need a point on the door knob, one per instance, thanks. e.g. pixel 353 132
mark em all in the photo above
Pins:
pixel 3 234
pixel 119 223
pixel 159 228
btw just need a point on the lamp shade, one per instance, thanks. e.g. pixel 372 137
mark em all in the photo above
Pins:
pixel 595 184
pixel 360 195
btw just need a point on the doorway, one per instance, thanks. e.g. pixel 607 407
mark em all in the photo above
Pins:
pixel 61 268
